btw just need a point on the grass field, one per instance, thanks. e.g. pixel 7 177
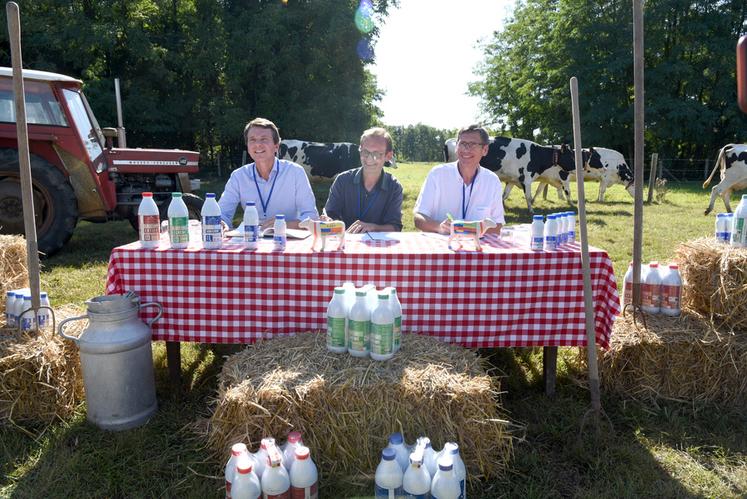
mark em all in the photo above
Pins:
pixel 673 450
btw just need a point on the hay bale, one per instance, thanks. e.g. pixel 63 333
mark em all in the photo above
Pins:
pixel 715 276
pixel 40 374
pixel 13 271
pixel 347 407
pixel 683 358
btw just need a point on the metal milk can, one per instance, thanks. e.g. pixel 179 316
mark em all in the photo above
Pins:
pixel 117 362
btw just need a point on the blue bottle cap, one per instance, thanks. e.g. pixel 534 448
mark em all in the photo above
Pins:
pixel 251 203
pixel 210 195
pixel 395 438
pixel 388 454
pixel 280 217
pixel 538 217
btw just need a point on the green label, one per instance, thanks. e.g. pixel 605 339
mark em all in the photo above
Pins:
pixel 336 331
pixel 381 338
pixel 397 333
pixel 358 335
pixel 739 235
pixel 179 230
pixel 179 221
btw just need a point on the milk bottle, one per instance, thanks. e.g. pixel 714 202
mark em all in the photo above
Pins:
pixel 237 450
pixel 251 226
pixel 651 290
pixel 260 457
pixel 359 324
pixel 538 233
pixel 304 475
pixel 289 451
pixel 246 485
pixel 739 227
pixel 382 330
pixel 416 482
pixel 562 219
pixel 10 316
pixel 429 455
pixel 149 222
pixel 445 484
pixel 460 471
pixel 396 308
pixel 178 222
pixel 279 237
pixel 388 479
pixel 212 231
pixel 275 480
pixel 337 341
pixel 28 318
pixel 628 286
pixel 397 443
pixel 44 316
pixel 551 233
pixel 671 292
pixel 349 295
pixel 723 231
pixel 571 227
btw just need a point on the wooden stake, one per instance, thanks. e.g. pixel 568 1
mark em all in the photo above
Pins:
pixel 638 154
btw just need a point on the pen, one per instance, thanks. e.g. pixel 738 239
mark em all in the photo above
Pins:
pixel 448 215
pixel 369 235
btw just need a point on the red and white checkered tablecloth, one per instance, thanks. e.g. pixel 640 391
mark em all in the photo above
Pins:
pixel 505 296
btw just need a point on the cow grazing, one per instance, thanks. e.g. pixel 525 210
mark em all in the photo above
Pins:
pixel 322 160
pixel 732 163
pixel 519 162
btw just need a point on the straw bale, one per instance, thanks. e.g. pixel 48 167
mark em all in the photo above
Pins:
pixel 13 271
pixel 676 358
pixel 715 276
pixel 346 407
pixel 40 374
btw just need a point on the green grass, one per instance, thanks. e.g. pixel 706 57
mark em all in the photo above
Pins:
pixel 673 450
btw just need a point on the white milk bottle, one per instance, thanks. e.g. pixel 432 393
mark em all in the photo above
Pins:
pixel 304 476
pixel 148 222
pixel 279 238
pixel 445 484
pixel 349 295
pixel 551 233
pixel 251 226
pixel 627 297
pixel 729 226
pixel 371 296
pixel 44 316
pixel 537 241
pixel 388 479
pixel 212 232
pixel 651 290
pixel 739 226
pixel 416 481
pixel 9 318
pixel 397 443
pixel 359 324
pixel 178 222
pixel 237 450
pixel 260 457
pixel 396 308
pixel 16 302
pixel 382 330
pixel 337 341
pixel 571 227
pixel 289 450
pixel 245 482
pixel 562 219
pixel 671 292
pixel 722 227
pixel 429 455
pixel 275 480
pixel 459 469
pixel 28 318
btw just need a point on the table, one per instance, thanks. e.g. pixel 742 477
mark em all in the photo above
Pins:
pixel 506 296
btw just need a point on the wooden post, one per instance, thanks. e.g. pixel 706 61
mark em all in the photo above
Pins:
pixel 638 150
pixel 24 162
pixel 653 174
pixel 706 168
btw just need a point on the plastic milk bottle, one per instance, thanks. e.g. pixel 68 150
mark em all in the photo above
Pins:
pixel 149 222
pixel 538 233
pixel 304 476
pixel 279 237
pixel 275 480
pixel 416 481
pixel 628 285
pixel 571 227
pixel 337 340
pixel 671 292
pixel 251 226
pixel 212 232
pixel 289 450
pixel 397 443
pixel 28 318
pixel 551 233
pixel 389 475
pixel 739 227
pixel 460 471
pixel 429 455
pixel 178 222
pixel 246 485
pixel 359 324
pixel 723 231
pixel 382 330
pixel 445 484
pixel 237 450
pixel 651 290
pixel 10 317
pixel 260 457
pixel 396 308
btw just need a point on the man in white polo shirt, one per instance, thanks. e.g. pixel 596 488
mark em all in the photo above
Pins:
pixel 462 190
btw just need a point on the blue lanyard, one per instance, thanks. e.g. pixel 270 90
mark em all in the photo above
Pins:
pixel 269 196
pixel 368 205
pixel 471 185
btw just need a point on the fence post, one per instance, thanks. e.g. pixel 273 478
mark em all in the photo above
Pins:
pixel 652 175
pixel 706 168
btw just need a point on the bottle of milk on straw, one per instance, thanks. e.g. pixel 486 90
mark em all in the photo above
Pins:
pixel 382 330
pixel 651 290
pixel 303 475
pixel 389 476
pixel 359 324
pixel 416 480
pixel 671 292
pixel 396 307
pixel 336 318
pixel 445 483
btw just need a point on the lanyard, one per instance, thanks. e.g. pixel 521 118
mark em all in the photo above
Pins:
pixel 471 185
pixel 272 188
pixel 368 204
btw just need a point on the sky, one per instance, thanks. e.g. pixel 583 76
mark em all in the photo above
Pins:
pixel 426 55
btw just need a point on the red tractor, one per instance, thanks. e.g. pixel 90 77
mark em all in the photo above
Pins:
pixel 77 173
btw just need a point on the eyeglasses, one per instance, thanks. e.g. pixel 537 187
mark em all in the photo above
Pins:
pixel 469 145
pixel 376 156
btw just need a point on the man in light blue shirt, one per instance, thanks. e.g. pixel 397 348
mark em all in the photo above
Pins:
pixel 276 186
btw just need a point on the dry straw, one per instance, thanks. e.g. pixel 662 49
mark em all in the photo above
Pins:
pixel 13 271
pixel 716 281
pixel 40 375
pixel 347 407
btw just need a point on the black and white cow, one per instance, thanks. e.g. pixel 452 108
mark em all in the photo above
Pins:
pixel 519 162
pixel 732 163
pixel 320 159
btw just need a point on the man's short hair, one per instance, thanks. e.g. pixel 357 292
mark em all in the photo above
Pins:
pixel 377 131
pixel 263 123
pixel 484 138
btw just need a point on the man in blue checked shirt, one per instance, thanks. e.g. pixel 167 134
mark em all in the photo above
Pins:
pixel 276 186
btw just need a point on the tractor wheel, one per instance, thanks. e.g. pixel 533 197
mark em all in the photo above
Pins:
pixel 55 204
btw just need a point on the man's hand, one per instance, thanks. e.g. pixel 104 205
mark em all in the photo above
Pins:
pixel 359 227
pixel 445 227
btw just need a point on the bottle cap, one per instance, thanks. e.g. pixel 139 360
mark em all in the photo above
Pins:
pixel 674 266
pixel 238 449
pixel 388 454
pixel 653 265
pixel 538 217
pixel 266 443
pixel 295 436
pixel 280 217
pixel 176 194
pixel 394 438
pixel 251 203
pixel 445 463
pixel 360 293
pixel 147 194
pixel 43 294
pixel 339 290
pixel 383 296
pixel 417 457
pixel 454 448
pixel 722 215
pixel 244 464
pixel 424 442
pixel 210 195
pixel 302 452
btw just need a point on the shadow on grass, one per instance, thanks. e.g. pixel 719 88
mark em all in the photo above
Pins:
pixel 91 243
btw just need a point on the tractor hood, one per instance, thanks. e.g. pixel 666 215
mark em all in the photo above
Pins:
pixel 152 160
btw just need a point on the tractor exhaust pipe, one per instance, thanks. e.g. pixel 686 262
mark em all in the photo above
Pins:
pixel 121 135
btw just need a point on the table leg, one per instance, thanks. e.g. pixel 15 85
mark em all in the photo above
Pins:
pixel 174 362
pixel 549 369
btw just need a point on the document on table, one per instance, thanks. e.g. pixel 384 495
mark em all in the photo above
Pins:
pixel 269 232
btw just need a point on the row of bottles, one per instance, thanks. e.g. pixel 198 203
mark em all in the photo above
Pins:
pixel 560 228
pixel 272 472
pixel 18 313
pixel 661 289
pixel 364 322
pixel 420 471
pixel 731 228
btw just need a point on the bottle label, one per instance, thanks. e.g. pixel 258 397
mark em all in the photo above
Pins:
pixel 740 235
pixel 304 492
pixel 251 233
pixel 43 320
pixel 336 331
pixel 415 496
pixel 537 242
pixel 358 340
pixel 211 229
pixel 179 229
pixel 462 492
pixel 279 241
pixel 670 297
pixel 397 333
pixel 27 323
pixel 650 295
pixel 150 228
pixel 282 495
pixel 381 338
pixel 628 293
pixel 551 243
pixel 388 493
pixel 571 236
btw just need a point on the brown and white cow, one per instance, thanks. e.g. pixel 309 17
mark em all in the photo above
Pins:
pixel 732 163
